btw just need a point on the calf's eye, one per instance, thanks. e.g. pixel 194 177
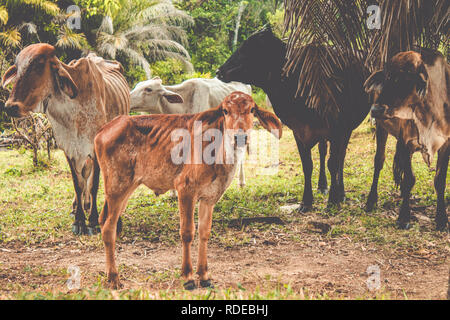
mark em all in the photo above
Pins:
pixel 148 90
pixel 225 112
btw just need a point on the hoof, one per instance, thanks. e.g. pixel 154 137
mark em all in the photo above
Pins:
pixel 369 206
pixel 206 284
pixel 403 225
pixel 79 230
pixel 323 190
pixel 333 206
pixel 190 285
pixel 113 282
pixel 93 230
pixel 304 208
pixel 442 225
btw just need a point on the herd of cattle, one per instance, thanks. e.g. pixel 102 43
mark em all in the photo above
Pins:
pixel 88 101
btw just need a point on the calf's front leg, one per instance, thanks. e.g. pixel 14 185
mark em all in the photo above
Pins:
pixel 186 204
pixel 205 211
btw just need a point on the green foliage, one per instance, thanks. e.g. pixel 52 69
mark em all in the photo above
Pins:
pixel 212 35
pixel 210 55
pixel 172 71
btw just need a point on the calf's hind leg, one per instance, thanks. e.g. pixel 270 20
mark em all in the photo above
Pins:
pixel 112 209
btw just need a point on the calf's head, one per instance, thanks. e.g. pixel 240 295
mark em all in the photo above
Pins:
pixel 259 58
pixel 36 74
pixel 237 111
pixel 400 87
pixel 148 96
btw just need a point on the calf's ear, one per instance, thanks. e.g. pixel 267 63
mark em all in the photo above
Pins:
pixel 9 76
pixel 65 80
pixel 374 82
pixel 269 121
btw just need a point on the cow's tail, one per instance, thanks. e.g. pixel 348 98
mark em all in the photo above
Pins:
pixel 400 159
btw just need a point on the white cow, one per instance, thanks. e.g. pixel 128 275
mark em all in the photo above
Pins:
pixel 191 96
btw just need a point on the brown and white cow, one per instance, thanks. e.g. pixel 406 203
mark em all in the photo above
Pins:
pixel 78 99
pixel 416 87
pixel 146 149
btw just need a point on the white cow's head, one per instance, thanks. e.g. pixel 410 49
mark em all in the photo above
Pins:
pixel 151 95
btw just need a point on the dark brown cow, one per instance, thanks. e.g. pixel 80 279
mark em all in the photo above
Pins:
pixel 135 150
pixel 78 99
pixel 416 87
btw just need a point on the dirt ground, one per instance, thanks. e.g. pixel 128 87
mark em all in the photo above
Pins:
pixel 334 268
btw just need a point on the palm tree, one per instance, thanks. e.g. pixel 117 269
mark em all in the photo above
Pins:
pixel 13 30
pixel 145 31
pixel 327 34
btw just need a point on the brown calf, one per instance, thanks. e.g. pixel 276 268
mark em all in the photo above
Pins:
pixel 135 150
pixel 415 87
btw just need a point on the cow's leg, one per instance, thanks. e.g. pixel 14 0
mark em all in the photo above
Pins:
pixel 93 212
pixel 338 148
pixel 323 185
pixel 205 211
pixel 381 136
pixel 307 164
pixel 186 204
pixel 108 221
pixel 79 225
pixel 116 198
pixel 439 185
pixel 342 154
pixel 406 184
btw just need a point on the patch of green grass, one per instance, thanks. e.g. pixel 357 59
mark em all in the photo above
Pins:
pixel 35 207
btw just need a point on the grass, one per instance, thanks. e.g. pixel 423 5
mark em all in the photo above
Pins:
pixel 35 203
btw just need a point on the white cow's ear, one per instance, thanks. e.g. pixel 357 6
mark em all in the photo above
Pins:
pixel 9 76
pixel 65 80
pixel 173 97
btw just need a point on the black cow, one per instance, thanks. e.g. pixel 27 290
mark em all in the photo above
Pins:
pixel 259 61
pixel 415 86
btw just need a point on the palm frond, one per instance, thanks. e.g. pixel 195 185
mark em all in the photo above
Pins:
pixel 324 36
pixel 165 13
pixel 49 7
pixel 409 23
pixel 67 38
pixel 327 35
pixel 3 15
pixel 11 37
